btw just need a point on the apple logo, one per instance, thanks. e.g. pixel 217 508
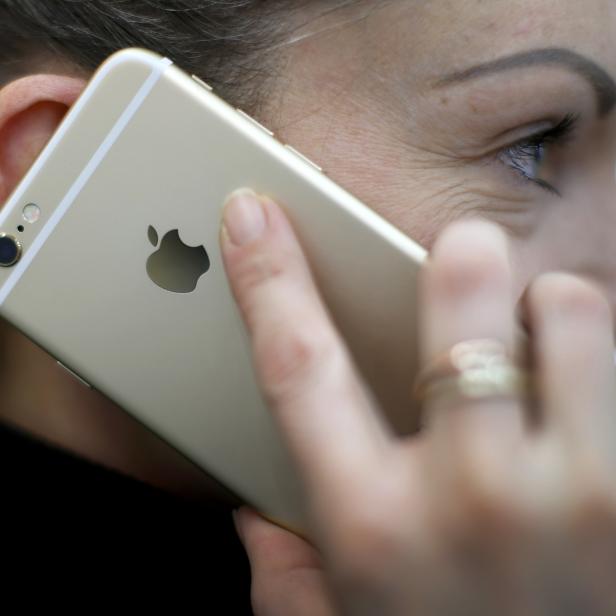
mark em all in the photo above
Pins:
pixel 175 266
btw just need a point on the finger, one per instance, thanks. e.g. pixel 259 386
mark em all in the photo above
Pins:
pixel 467 294
pixel 302 364
pixel 287 577
pixel 574 352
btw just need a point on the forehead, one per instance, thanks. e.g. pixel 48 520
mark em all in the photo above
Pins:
pixel 440 36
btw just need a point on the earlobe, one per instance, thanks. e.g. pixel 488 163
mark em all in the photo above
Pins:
pixel 31 109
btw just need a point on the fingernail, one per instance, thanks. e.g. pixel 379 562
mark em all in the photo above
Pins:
pixel 244 218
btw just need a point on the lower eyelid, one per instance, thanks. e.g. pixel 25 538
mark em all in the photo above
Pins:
pixel 511 160
pixel 517 179
pixel 524 181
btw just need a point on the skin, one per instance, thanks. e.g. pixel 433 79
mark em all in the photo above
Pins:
pixel 364 98
pixel 479 514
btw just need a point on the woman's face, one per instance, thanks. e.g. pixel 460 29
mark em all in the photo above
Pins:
pixel 434 110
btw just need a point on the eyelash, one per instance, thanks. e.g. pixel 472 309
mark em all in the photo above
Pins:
pixel 519 154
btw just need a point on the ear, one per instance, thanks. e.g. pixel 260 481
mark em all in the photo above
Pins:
pixel 31 109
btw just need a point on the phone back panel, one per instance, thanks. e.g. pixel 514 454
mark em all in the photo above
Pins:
pixel 146 145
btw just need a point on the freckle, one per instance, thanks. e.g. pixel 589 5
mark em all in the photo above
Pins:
pixel 522 32
pixel 474 108
pixel 445 100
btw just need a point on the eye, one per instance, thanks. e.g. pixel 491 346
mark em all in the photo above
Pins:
pixel 528 157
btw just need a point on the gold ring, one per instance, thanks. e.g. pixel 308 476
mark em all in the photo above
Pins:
pixel 473 370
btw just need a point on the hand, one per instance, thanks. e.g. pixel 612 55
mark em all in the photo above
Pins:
pixel 481 514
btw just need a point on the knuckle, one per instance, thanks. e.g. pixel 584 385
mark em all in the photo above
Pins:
pixel 592 503
pixel 370 543
pixel 487 516
pixel 488 513
pixel 254 268
pixel 289 357
pixel 571 293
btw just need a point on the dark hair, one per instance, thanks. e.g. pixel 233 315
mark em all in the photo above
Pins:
pixel 222 41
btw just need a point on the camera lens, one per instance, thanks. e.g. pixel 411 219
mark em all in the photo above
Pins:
pixel 10 250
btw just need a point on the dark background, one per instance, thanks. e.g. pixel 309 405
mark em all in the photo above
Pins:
pixel 71 527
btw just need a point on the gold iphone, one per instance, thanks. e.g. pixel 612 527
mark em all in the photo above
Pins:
pixel 110 262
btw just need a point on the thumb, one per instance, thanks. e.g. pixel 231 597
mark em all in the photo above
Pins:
pixel 287 574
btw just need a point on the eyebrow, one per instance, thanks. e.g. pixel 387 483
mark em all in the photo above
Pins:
pixel 600 80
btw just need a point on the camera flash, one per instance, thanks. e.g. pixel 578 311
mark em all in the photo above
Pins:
pixel 31 213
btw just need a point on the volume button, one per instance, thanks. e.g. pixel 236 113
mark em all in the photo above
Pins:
pixel 200 81
pixel 304 158
pixel 257 124
pixel 74 375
